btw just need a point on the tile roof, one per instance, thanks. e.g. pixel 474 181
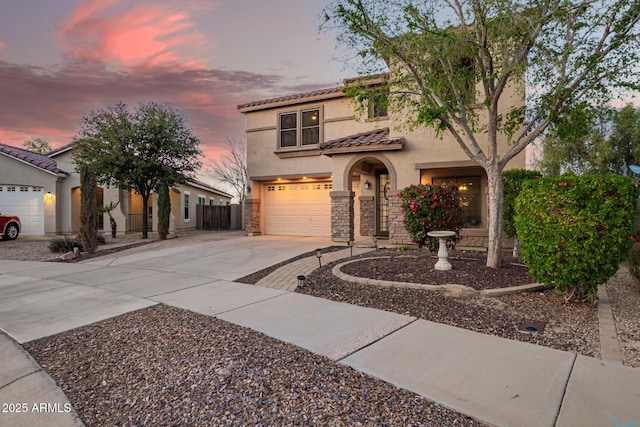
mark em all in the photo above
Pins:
pixel 377 137
pixel 209 187
pixel 60 150
pixel 38 160
pixel 338 90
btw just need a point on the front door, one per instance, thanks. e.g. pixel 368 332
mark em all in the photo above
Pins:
pixel 382 203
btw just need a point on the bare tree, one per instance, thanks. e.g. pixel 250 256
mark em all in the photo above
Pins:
pixel 232 167
pixel 37 144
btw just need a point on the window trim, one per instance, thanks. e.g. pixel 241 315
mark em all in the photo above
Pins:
pixel 186 217
pixel 298 112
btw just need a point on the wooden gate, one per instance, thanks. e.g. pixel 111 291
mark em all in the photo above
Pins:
pixel 213 217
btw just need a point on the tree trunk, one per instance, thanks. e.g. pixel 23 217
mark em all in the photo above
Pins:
pixel 494 251
pixel 145 213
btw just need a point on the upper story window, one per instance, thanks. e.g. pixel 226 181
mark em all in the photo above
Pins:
pixel 378 105
pixel 300 128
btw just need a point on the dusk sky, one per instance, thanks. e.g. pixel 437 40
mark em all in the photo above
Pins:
pixel 58 59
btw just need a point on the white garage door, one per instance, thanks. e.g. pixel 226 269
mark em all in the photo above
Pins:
pixel 298 209
pixel 28 203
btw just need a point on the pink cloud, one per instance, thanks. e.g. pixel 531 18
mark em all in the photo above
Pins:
pixel 3 47
pixel 140 35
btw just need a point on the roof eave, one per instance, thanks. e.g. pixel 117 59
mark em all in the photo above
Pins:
pixel 288 102
pixel 393 146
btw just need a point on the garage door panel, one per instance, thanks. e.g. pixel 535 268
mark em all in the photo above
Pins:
pixel 298 209
pixel 27 202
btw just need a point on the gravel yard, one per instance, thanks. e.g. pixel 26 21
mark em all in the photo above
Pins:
pixel 165 366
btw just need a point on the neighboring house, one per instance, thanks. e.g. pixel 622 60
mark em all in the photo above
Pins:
pixel 318 169
pixel 44 190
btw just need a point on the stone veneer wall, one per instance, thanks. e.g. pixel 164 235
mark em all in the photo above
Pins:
pixel 341 216
pixel 367 216
pixel 252 217
pixel 398 235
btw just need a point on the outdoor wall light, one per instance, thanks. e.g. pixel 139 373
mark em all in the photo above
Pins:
pixel 366 184
pixel 49 195
pixel 319 255
pixel 350 244
pixel 248 189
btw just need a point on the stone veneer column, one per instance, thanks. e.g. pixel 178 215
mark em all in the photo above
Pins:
pixel 252 217
pixel 367 216
pixel 341 216
pixel 398 235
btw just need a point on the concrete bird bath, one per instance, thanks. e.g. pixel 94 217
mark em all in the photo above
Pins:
pixel 443 256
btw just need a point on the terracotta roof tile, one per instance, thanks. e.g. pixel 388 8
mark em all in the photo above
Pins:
pixel 36 159
pixel 295 97
pixel 375 137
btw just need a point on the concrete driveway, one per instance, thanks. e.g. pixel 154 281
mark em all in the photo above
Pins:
pixel 41 299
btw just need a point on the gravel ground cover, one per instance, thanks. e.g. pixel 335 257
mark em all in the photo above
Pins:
pixel 165 366
pixel 567 326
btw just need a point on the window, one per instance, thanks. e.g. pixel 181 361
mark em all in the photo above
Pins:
pixel 201 200
pixel 11 189
pixel 297 129
pixel 470 195
pixel 186 207
pixel 378 104
pixel 24 189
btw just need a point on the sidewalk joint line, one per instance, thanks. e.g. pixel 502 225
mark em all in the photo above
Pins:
pixel 250 304
pixel 38 370
pixel 377 340
pixel 564 390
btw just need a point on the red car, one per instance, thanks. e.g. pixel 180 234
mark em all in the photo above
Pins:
pixel 9 226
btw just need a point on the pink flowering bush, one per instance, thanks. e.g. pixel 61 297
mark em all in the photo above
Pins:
pixel 431 208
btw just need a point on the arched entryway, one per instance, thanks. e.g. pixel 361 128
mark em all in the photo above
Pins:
pixel 362 210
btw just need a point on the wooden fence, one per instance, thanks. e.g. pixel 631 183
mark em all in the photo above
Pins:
pixel 218 217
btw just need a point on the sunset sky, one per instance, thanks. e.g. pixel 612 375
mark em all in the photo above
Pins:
pixel 58 59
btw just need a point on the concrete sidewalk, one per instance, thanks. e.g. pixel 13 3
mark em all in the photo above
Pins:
pixel 499 381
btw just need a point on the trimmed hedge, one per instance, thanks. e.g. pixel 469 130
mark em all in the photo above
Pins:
pixel 512 181
pixel 575 230
pixel 431 208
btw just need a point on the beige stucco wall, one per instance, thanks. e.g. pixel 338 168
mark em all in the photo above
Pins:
pixel 424 151
pixel 16 172
pixel 337 120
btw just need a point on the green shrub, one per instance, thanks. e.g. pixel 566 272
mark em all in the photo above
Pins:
pixel 431 208
pixel 65 244
pixel 575 230
pixel 512 181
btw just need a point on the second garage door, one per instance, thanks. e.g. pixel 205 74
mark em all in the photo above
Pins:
pixel 298 209
pixel 28 203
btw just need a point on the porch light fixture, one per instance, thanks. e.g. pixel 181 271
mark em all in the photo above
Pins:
pixel 319 255
pixel 366 184
pixel 49 195
pixel 350 244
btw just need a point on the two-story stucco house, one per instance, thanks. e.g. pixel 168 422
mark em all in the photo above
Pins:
pixel 317 168
pixel 44 190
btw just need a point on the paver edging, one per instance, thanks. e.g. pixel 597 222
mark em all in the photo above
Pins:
pixel 447 288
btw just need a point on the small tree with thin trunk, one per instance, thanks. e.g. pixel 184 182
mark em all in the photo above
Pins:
pixel 138 150
pixel 88 210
